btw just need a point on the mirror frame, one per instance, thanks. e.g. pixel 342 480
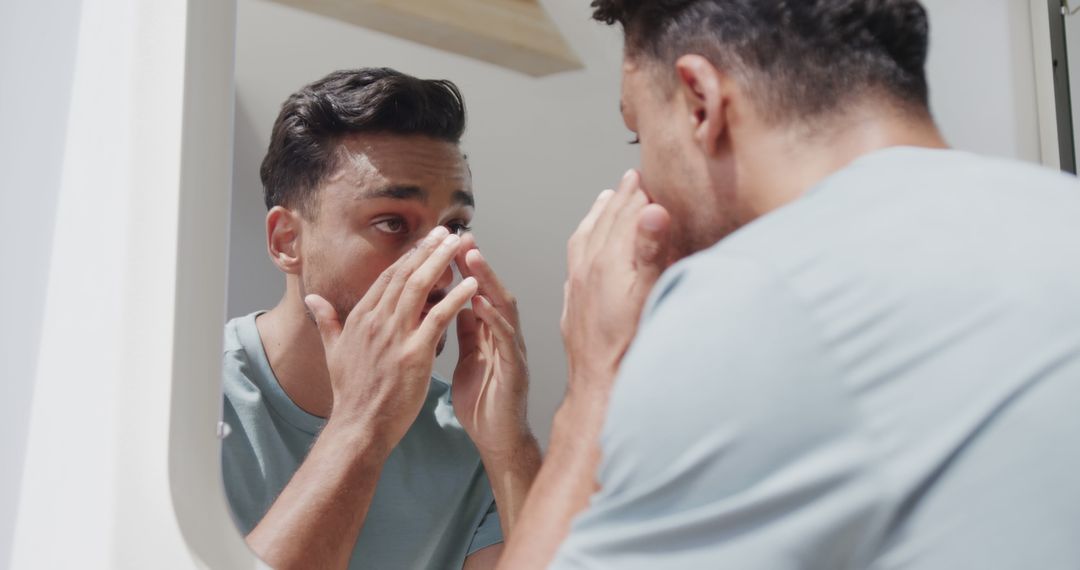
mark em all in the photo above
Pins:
pixel 1052 84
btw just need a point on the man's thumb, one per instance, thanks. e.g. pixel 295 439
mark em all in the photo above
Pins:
pixel 325 318
pixel 653 241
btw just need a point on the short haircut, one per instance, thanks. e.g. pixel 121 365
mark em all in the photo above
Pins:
pixel 305 142
pixel 799 58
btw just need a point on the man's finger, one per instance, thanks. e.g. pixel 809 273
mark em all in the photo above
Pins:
pixel 417 288
pixel 468 243
pixel 417 257
pixel 468 331
pixel 629 184
pixel 506 337
pixel 589 221
pixel 326 319
pixel 652 244
pixel 438 319
pixel 394 276
pixel 490 285
pixel 585 228
pixel 565 306
pixel 624 225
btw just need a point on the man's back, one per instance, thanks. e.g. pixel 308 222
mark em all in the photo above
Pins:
pixel 882 374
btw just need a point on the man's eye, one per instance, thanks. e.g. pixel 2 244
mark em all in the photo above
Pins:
pixel 458 227
pixel 391 226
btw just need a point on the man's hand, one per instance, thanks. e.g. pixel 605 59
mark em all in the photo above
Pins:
pixel 380 361
pixel 491 381
pixel 380 368
pixel 614 259
pixel 491 386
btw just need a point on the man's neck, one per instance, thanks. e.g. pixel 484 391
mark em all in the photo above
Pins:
pixel 784 164
pixel 295 351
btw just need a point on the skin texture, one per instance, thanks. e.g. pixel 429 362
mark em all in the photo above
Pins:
pixel 368 300
pixel 709 164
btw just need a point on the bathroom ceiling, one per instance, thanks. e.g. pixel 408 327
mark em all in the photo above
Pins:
pixel 517 34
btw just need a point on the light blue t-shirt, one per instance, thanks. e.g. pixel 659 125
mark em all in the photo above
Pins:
pixel 433 504
pixel 883 374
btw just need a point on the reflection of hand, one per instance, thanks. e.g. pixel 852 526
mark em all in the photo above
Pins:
pixel 491 381
pixel 380 361
pixel 614 258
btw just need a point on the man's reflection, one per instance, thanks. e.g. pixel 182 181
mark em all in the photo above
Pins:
pixel 345 451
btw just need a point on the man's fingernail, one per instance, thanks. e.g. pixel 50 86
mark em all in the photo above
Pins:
pixel 629 173
pixel 439 232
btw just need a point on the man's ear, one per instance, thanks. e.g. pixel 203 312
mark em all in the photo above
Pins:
pixel 702 88
pixel 283 230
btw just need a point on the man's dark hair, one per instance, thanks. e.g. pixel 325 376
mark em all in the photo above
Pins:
pixel 800 58
pixel 304 145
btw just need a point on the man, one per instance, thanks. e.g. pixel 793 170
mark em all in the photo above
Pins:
pixel 344 451
pixel 869 353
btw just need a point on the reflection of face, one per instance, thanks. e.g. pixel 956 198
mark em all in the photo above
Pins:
pixel 695 189
pixel 389 193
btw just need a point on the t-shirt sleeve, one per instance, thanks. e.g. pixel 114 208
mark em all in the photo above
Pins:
pixel 489 532
pixel 729 439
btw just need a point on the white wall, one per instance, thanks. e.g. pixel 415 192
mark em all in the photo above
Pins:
pixel 542 148
pixel 982 83
pixel 35 94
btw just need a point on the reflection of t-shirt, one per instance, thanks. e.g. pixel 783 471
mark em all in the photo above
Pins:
pixel 883 374
pixel 433 504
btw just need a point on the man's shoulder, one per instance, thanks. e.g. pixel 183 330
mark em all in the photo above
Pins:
pixel 911 191
pixel 907 221
pixel 240 334
pixel 710 279
pixel 232 342
pixel 238 368
pixel 722 311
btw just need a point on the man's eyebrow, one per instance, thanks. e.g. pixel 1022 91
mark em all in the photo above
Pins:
pixel 464 198
pixel 397 193
pixel 406 192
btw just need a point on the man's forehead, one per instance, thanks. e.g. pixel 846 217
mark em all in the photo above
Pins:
pixel 370 161
pixel 385 150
